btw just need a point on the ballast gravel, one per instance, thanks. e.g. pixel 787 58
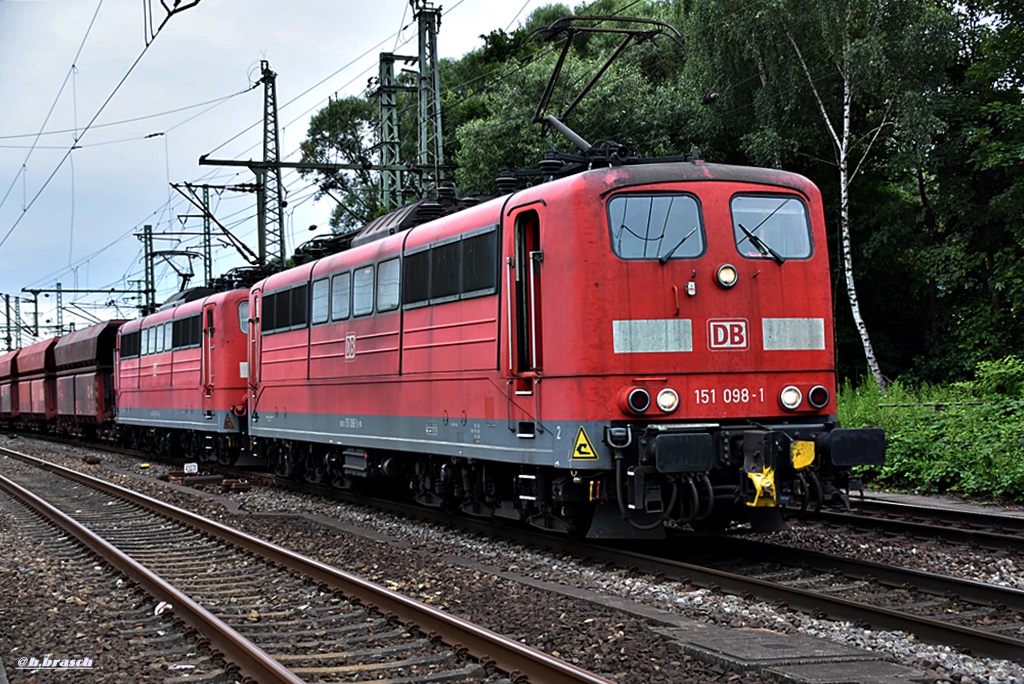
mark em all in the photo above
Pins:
pixel 467 575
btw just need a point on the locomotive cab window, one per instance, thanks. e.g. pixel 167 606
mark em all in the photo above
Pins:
pixel 285 309
pixel 771 227
pixel 131 344
pixel 186 332
pixel 663 226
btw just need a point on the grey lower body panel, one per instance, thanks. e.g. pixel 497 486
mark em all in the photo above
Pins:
pixel 555 444
pixel 182 419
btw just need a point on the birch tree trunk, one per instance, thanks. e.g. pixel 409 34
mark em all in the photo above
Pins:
pixel 841 141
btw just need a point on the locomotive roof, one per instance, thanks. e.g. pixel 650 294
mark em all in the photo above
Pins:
pixel 183 309
pixel 432 223
pixel 697 170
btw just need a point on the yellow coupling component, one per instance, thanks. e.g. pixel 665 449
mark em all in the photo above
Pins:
pixel 764 488
pixel 801 454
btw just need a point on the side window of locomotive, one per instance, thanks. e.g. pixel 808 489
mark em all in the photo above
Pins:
pixel 388 285
pixel 321 301
pixel 416 278
pixel 662 226
pixel 771 227
pixel 341 296
pixel 299 313
pixel 362 291
pixel 286 309
pixel 162 338
pixel 269 304
pixel 243 317
pixel 480 264
pixel 131 345
pixel 460 268
pixel 186 332
pixel 444 272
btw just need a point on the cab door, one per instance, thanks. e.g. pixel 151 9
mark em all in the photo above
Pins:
pixel 207 365
pixel 255 324
pixel 526 359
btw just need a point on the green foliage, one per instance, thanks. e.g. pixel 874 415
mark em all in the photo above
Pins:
pixel 935 208
pixel 340 133
pixel 965 438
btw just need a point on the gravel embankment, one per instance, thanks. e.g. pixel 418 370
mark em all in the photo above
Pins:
pixel 468 575
pixel 58 602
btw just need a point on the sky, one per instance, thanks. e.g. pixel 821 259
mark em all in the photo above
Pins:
pixel 98 116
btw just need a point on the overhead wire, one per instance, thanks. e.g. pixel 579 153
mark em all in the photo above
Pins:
pixel 294 177
pixel 216 102
pixel 85 130
pixel 53 105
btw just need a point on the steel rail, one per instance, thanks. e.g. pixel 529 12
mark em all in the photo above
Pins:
pixel 979 519
pixel 486 646
pixel 252 661
pixel 929 530
pixel 975 641
pixel 978 642
pixel 971 591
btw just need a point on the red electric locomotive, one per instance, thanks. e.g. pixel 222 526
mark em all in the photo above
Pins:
pixel 608 351
pixel 181 376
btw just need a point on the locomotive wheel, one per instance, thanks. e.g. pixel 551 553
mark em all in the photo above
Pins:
pixel 314 467
pixel 226 455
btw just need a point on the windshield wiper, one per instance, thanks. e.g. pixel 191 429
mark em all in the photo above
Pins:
pixel 761 246
pixel 664 259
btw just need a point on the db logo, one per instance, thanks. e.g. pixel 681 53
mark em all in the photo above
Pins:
pixel 350 347
pixel 728 334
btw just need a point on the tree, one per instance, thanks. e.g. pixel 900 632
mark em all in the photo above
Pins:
pixel 859 64
pixel 341 133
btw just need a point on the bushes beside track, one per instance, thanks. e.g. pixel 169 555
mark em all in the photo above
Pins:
pixel 965 438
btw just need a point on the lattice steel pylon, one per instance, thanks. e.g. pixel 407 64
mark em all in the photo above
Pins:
pixel 431 151
pixel 389 145
pixel 271 213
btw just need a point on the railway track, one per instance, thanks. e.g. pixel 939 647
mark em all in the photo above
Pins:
pixel 974 617
pixel 275 615
pixel 986 529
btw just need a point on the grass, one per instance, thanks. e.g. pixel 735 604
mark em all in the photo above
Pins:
pixel 966 438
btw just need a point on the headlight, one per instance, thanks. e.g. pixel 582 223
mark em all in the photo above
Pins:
pixel 818 396
pixel 638 400
pixel 668 400
pixel 790 397
pixel 727 275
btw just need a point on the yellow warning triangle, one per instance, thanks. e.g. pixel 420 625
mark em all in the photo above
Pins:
pixel 583 449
